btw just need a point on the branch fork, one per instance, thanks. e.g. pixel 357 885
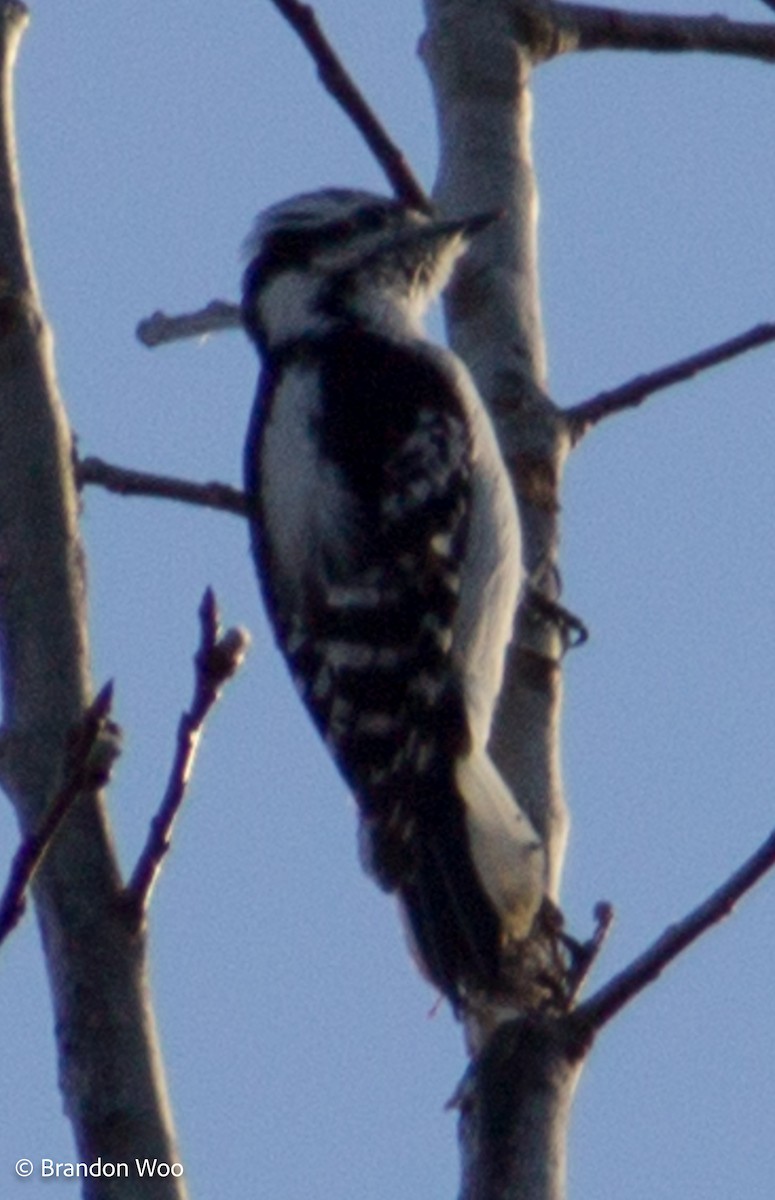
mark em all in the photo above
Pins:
pixel 217 660
pixel 94 746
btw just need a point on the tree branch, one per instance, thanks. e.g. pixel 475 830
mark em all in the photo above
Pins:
pixel 113 1086
pixel 339 84
pixel 610 999
pixel 128 482
pixel 481 75
pixel 582 417
pixel 218 315
pixel 560 28
pixel 216 661
pixel 84 771
pixel 215 317
pixel 614 29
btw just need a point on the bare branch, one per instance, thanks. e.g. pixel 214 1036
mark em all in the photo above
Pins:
pixel 126 482
pixel 216 316
pixel 582 417
pixel 85 770
pixel 613 29
pixel 216 661
pixel 559 28
pixel 610 999
pixel 584 955
pixel 339 84
pixel 160 329
pixel 109 1061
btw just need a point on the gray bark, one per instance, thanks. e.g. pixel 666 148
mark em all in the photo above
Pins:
pixel 514 1112
pixel 480 74
pixel 515 1104
pixel 109 1064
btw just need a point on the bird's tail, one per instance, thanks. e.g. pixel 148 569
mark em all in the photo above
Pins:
pixel 477 879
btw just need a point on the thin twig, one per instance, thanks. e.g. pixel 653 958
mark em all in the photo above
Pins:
pixel 559 28
pixel 341 86
pixel 612 997
pixel 584 955
pixel 218 658
pixel 213 318
pixel 582 417
pixel 159 328
pixel 126 482
pixel 85 770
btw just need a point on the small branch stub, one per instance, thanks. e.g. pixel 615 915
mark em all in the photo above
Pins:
pixel 92 750
pixel 215 317
pixel 218 658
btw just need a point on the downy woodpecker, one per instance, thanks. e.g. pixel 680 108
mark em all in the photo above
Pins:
pixel 388 550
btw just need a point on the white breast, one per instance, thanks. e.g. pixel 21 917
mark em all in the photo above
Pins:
pixel 304 503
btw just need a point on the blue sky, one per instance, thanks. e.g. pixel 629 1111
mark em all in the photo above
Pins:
pixel 301 1056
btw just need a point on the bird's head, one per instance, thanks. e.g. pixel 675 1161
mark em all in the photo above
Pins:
pixel 325 259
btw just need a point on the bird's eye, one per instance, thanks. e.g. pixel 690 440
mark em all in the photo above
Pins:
pixel 291 247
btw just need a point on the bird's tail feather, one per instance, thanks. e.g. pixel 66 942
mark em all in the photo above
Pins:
pixel 477 879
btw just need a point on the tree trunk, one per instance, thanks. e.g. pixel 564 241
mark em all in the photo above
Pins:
pixel 109 1063
pixel 515 1103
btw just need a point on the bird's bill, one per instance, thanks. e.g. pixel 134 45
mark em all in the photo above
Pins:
pixel 464 226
